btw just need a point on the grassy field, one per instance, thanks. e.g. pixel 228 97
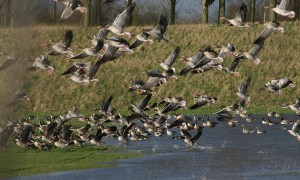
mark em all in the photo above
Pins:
pixel 55 94
pixel 18 162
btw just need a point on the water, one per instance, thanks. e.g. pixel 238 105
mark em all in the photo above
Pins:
pixel 223 153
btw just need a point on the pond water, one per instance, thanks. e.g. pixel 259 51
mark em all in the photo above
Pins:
pixel 223 153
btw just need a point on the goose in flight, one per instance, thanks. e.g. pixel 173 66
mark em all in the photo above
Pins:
pixel 63 47
pixel 139 109
pixel 252 54
pixel 269 28
pixel 123 133
pixel 240 18
pixel 104 106
pixel 78 68
pixel 117 27
pixel 201 100
pixel 43 63
pixel 71 7
pixel 294 107
pixel 192 62
pixel 233 66
pixel 295 129
pixel 160 29
pixel 93 51
pixel 243 88
pixel 281 9
pixel 275 85
pixel 24 140
pixel 9 61
pixel 170 60
pixel 140 38
pixel 107 56
pixel 191 140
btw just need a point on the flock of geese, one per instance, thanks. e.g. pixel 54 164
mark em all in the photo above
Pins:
pixel 146 119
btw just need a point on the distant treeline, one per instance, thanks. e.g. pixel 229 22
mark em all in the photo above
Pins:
pixel 19 13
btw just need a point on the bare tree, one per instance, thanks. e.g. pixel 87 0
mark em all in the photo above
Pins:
pixel 173 10
pixel 205 5
pixel 297 9
pixel 87 14
pixel 98 10
pixel 129 23
pixel 221 11
pixel 54 6
pixel 252 10
pixel 7 16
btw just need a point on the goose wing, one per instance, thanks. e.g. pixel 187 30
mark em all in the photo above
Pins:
pixel 144 101
pixel 197 135
pixel 67 12
pixel 103 32
pixel 171 59
pixel 98 46
pixel 241 15
pixel 135 44
pixel 138 42
pixel 107 104
pixel 244 86
pixel 66 42
pixel 284 4
pixel 24 136
pixel 123 17
pixel 284 82
pixel 152 82
pixel 198 104
pixel 186 134
pixel 70 70
pixel 155 73
pixel 256 48
pixel 162 24
pixel 6 64
pixel 75 4
pixel 160 28
pixel 234 64
pixel 127 130
pixel 79 56
pixel 263 35
pixel 108 54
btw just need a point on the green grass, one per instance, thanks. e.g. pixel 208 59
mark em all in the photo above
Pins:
pixel 15 161
pixel 55 94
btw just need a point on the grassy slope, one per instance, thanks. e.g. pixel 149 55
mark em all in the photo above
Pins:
pixel 57 94
pixel 17 162
pixel 54 93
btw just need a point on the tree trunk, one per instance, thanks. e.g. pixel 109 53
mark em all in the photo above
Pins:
pixel 129 23
pixel 252 10
pixel 204 12
pixel 172 15
pixel 87 15
pixel 7 18
pixel 54 12
pixel 98 12
pixel 272 14
pixel 221 11
pixel 297 9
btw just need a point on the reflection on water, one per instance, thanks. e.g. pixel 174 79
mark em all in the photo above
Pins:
pixel 223 153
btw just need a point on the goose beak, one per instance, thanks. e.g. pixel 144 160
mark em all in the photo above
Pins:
pixel 27 98
pixel 83 10
pixel 280 29
pixel 292 85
